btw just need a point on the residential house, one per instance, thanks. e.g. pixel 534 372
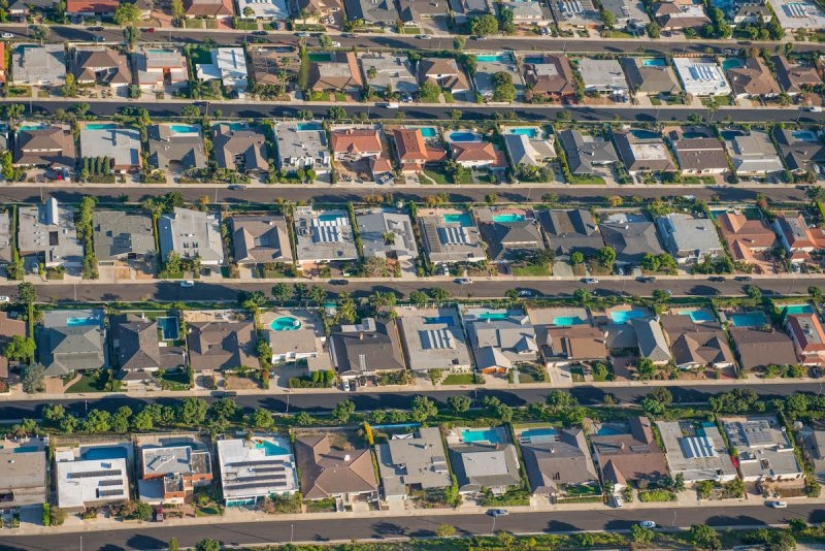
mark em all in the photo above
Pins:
pixel 353 144
pixel 413 151
pixel 433 338
pixel 651 76
pixel 46 233
pixel 476 154
pixel 445 73
pixel 753 154
pixel 9 328
pixel 689 239
pixel 796 237
pixel 267 10
pixel 701 76
pixel 366 349
pixel 464 10
pixel 240 148
pixel 631 238
pixel 118 236
pixel 380 13
pixel 120 145
pixel 340 73
pixel 602 75
pixel 45 145
pixel 528 13
pixel 300 340
pixel 449 235
pixel 764 451
pixel 752 78
pixel 531 149
pixel 795 78
pixel 487 67
pixel 323 236
pixel 628 14
pixel 229 66
pixel 23 480
pixel 701 156
pixel 697 345
pixel 808 337
pixel 160 69
pixel 170 471
pixel 7 233
pixel 327 472
pixel 643 154
pixel 566 346
pixel 387 234
pixel 551 77
pixel 268 458
pixel 678 16
pixel 71 341
pixel 222 345
pixel 20 9
pixel 745 11
pixel 422 12
pixel 584 152
pixel 219 9
pixel 139 353
pixel 78 9
pixel 511 241
pixel 39 65
pixel 747 239
pixel 569 231
pixel 757 348
pixel 175 147
pixel 628 453
pixel 652 341
pixel 500 338
pixel 85 483
pixel 260 239
pixel 696 454
pixel 801 150
pixel 484 465
pixel 102 67
pixel 798 14
pixel 414 461
pixel 557 461
pixel 575 14
pixel 387 73
pixel 274 66
pixel 812 439
pixel 302 146
pixel 191 234
pixel 317 9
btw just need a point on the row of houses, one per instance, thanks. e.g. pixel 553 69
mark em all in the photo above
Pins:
pixel 557 462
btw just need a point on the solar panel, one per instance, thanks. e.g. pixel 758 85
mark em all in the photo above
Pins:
pixel 93 474
pixel 109 493
pixel 116 482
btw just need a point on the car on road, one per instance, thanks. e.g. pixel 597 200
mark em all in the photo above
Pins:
pixel 647 524
pixel 338 282
pixel 646 279
pixel 347 35
pixel 717 279
pixel 187 283
pixel 4 298
pixel 526 293
pixel 744 278
pixel 236 187
pixel 7 35
pixel 259 33
pixel 777 504
pixel 499 512
pixel 423 37
pixel 147 29
pixel 98 39
pixel 302 35
pixel 590 280
pixel 464 281
pixel 95 29
pixel 336 44
pixel 225 393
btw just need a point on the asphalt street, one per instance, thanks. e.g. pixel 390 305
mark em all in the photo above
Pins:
pixel 153 537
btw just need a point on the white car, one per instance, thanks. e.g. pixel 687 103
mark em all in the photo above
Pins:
pixel 590 280
pixel 647 524
pixel 464 281
pixel 345 385
pixel 778 504
pixel 7 35
pixel 423 37
pixel 187 283
pixel 4 298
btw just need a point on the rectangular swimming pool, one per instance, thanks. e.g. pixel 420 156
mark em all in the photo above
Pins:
pixel 799 309
pixel 699 316
pixel 478 435
pixel 751 319
pixel 526 131
pixel 624 316
pixel 508 218
pixel 463 219
pixel 568 321
pixel 114 452
pixel 429 132
pixel 79 322
pixel 497 58
pixel 168 328
pixel 445 320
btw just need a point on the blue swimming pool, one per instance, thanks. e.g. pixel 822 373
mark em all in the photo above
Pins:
pixel 804 135
pixel 799 309
pixel 624 316
pixel 643 134
pixel 508 218
pixel 168 328
pixel 493 316
pixel 526 131
pixel 534 59
pixel 459 136
pixel 446 320
pixel 654 62
pixel 480 435
pixel 331 217
pixel 463 219
pixel 285 323
pixel 607 430
pixel 271 449
pixel 184 129
pixel 114 452
pixel 25 449
pixel 729 64
pixel 699 316
pixel 731 134
pixel 78 322
pixel 568 321
pixel 301 126
pixel 751 319
pixel 429 132
pixel 497 58
pixel 533 435
pixel 101 126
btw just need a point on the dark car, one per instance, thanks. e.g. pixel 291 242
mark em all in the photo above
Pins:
pixel 95 29
pixel 260 33
pixel 646 279
pixel 338 282
pixel 744 278
pixel 717 279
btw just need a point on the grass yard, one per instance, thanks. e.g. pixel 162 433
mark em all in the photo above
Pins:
pixel 583 490
pixel 586 180
pixel 320 506
pixel 175 380
pixel 533 270
pixel 246 25
pixel 458 379
pixel 87 383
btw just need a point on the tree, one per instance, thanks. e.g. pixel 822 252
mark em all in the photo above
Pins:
pixel 423 408
pixel 582 296
pixel 507 21
pixel 646 369
pixel 429 92
pixel 143 421
pixel 20 348
pixel 282 292
pixel 459 404
pixel 343 411
pixel 178 11
pixel 702 535
pixel 660 295
pixel 641 535
pixel 98 420
pixel 208 544
pixel 318 294
pixel 127 14
pixel 336 113
pixel 192 411
pixel 445 530
pixel 142 511
pixel 120 420
pixel 815 194
pixel 27 293
pixel 262 419
pixel 491 199
pixel 173 543
pixel 33 378
pixel 223 410
pixel 606 257
pixel 560 400
pixel 325 42
pixel 576 257
pixel 484 25
pixel 54 413
pixel 503 88
pixel 419 298
pixel 653 30
pixel 439 294
pixel 754 292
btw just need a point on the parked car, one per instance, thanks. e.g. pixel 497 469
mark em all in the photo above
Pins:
pixel 647 524
pixel 95 29
pixel 526 293
pixel 338 281
pixel 464 281
pixel 259 33
pixel 302 35
pixel 778 504
pixel 717 279
pixel 744 278
pixel 423 37
pixel 499 512
pixel 590 280
pixel 236 187
pixel 187 283
pixel 147 29
pixel 7 35
pixel 4 298
pixel 646 279
pixel 345 385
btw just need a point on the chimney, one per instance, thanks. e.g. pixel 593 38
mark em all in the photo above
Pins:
pixel 347 458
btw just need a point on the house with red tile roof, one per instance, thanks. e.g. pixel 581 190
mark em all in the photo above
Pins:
pixel 796 237
pixel 91 8
pixel 209 8
pixel 746 239
pixel 356 143
pixel 808 337
pixel 3 67
pixel 477 154
pixel 413 151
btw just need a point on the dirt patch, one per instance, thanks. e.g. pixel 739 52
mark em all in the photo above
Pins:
pixel 123 273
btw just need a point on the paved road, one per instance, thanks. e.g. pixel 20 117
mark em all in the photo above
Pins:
pixel 279 401
pixel 411 111
pixel 151 537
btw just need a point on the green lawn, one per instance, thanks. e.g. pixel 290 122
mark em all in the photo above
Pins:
pixel 320 506
pixel 620 34
pixel 584 490
pixel 87 383
pixel 176 380
pixel 587 180
pixel 246 25
pixel 458 379
pixel 536 270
